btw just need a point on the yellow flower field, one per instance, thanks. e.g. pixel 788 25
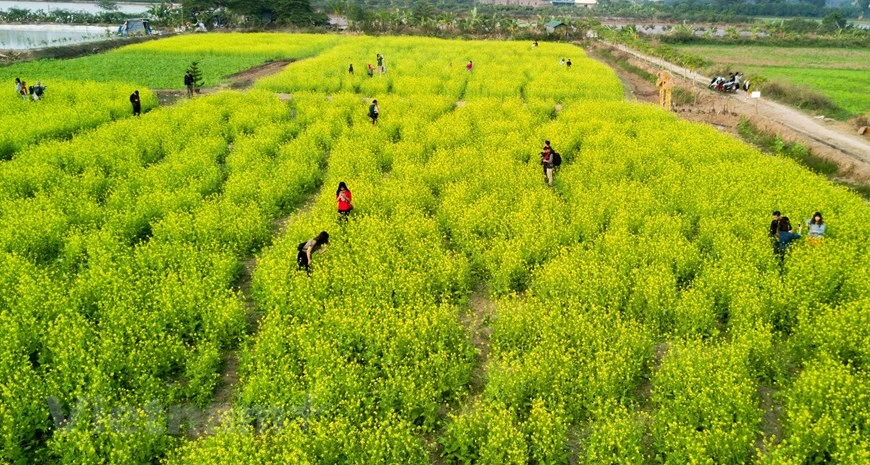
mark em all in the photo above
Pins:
pixel 634 312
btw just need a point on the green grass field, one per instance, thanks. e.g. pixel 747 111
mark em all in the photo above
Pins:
pixel 843 75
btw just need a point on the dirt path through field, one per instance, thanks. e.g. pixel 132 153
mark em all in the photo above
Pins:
pixel 229 377
pixel 476 320
pixel 827 139
pixel 242 80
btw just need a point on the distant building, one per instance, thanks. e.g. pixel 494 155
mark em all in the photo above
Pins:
pixel 557 27
pixel 583 3
pixel 535 3
pixel 338 22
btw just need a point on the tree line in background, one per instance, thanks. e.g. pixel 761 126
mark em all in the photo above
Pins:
pixel 451 17
pixel 726 11
pixel 225 13
pixel 692 10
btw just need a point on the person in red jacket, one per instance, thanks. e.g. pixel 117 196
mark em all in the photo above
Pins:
pixel 344 198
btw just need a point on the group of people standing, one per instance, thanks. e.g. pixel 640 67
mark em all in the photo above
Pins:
pixel 370 70
pixel 35 92
pixel 782 233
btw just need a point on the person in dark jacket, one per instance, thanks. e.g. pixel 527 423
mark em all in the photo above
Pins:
pixel 374 111
pixel 318 244
pixel 137 104
pixel 785 236
pixel 774 225
pixel 188 82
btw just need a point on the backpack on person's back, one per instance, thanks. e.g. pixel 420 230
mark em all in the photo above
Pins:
pixel 557 159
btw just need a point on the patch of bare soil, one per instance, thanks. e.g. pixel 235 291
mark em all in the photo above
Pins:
pixel 229 377
pixel 476 319
pixel 245 79
pixel 832 140
pixel 633 86
pixel 771 427
pixel 477 322
pixel 238 81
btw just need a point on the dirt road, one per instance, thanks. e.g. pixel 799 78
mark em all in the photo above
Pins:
pixel 238 81
pixel 829 139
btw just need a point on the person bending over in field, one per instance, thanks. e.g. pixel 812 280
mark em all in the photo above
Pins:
pixel 318 244
pixel 374 111
pixel 547 163
pixel 785 235
pixel 568 63
pixel 816 227
pixel 469 66
pixel 137 104
pixel 344 199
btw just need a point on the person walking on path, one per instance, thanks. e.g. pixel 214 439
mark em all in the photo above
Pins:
pixel 318 244
pixel 374 111
pixel 344 199
pixel 188 82
pixel 469 66
pixel 137 104
pixel 350 69
pixel 816 227
pixel 547 163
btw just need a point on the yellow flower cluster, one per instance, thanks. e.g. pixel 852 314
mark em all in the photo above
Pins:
pixel 636 303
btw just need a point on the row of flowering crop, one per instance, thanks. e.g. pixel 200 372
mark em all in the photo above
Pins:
pixel 122 248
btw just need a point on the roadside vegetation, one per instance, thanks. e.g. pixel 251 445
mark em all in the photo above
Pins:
pixel 771 143
pixel 825 81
